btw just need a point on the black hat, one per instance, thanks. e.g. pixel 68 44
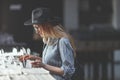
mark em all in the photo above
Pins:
pixel 42 15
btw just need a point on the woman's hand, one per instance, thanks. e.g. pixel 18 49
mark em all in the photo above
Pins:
pixel 30 57
pixel 23 58
pixel 37 63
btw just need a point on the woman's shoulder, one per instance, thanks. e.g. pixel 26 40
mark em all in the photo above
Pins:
pixel 64 39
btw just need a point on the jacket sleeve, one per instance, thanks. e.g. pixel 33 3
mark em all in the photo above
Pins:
pixel 67 57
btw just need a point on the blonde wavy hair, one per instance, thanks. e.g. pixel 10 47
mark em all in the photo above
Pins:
pixel 55 31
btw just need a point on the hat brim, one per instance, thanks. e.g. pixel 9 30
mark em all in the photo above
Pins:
pixel 28 22
pixel 54 19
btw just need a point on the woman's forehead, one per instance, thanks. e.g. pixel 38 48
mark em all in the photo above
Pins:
pixel 35 25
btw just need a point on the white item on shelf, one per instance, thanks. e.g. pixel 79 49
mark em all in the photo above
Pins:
pixel 28 51
pixel 28 64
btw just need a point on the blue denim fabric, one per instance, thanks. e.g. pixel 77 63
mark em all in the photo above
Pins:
pixel 63 58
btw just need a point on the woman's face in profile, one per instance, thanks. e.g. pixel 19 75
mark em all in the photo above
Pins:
pixel 38 29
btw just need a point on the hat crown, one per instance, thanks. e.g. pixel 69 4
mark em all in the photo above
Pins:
pixel 42 15
pixel 37 13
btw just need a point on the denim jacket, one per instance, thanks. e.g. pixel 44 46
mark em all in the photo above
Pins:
pixel 63 58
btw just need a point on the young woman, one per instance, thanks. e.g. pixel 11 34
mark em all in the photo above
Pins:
pixel 59 51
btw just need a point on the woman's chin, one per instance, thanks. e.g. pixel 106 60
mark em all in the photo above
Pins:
pixel 44 40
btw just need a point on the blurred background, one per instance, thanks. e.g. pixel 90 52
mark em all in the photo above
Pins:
pixel 94 24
